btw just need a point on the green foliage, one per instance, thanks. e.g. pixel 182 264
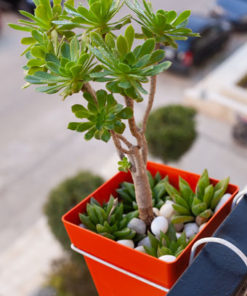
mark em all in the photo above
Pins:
pixel 103 113
pixel 96 18
pixel 64 197
pixel 167 244
pixel 190 205
pixel 109 220
pixel 126 192
pixel 70 278
pixel 171 131
pixel 165 26
pixel 68 68
pixel 125 70
pixel 124 165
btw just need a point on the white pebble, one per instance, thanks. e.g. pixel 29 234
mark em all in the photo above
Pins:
pixel 145 242
pixel 140 249
pixel 126 242
pixel 168 258
pixel 137 225
pixel 178 234
pixel 190 229
pixel 156 211
pixel 167 210
pixel 223 200
pixel 83 226
pixel 159 224
pixel 202 226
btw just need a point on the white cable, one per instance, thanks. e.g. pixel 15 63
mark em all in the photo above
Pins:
pixel 239 197
pixel 130 274
pixel 217 240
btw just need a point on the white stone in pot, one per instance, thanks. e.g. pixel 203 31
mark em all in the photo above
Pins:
pixel 190 229
pixel 168 258
pixel 223 200
pixel 83 226
pixel 137 225
pixel 145 242
pixel 156 211
pixel 167 210
pixel 202 226
pixel 140 249
pixel 126 242
pixel 178 234
pixel 159 224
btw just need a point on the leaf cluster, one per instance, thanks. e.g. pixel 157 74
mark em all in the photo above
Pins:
pixel 103 113
pixel 43 19
pixel 124 165
pixel 167 244
pixel 109 220
pixel 126 192
pixel 190 205
pixel 66 70
pixel 125 69
pixel 98 17
pixel 165 26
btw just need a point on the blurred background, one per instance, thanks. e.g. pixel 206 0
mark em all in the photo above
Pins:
pixel 37 152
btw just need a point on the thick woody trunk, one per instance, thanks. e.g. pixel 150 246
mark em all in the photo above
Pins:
pixel 142 189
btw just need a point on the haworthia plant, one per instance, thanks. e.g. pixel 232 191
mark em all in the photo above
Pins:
pixel 167 244
pixel 200 205
pixel 108 220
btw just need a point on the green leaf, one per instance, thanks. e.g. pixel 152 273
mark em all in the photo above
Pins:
pixel 126 113
pixel 203 182
pixel 27 41
pixel 20 28
pixel 182 17
pixel 147 47
pixel 130 36
pixel 109 39
pixel 122 45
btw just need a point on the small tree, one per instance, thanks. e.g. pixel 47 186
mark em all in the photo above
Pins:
pixel 68 48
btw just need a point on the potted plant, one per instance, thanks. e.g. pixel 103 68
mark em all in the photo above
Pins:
pixel 66 50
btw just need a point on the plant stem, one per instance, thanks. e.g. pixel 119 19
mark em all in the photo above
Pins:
pixel 142 188
pixel 88 88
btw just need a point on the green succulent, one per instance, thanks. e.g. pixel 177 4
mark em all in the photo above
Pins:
pixel 69 69
pixel 109 220
pixel 43 20
pixel 125 70
pixel 167 244
pixel 96 18
pixel 165 26
pixel 124 165
pixel 197 206
pixel 106 115
pixel 126 192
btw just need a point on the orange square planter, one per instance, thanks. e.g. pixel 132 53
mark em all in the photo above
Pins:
pixel 110 282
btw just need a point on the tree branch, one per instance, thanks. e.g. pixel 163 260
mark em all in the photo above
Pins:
pixel 132 123
pixel 125 141
pixel 88 88
pixel 118 145
pixel 152 92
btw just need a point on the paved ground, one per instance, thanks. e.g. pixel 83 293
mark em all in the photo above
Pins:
pixel 37 151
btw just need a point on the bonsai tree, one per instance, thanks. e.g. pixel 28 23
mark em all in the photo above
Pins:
pixel 171 131
pixel 70 47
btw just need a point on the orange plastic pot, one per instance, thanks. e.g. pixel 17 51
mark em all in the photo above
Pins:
pixel 110 282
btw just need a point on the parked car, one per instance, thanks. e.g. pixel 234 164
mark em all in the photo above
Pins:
pixel 16 5
pixel 234 11
pixel 193 52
